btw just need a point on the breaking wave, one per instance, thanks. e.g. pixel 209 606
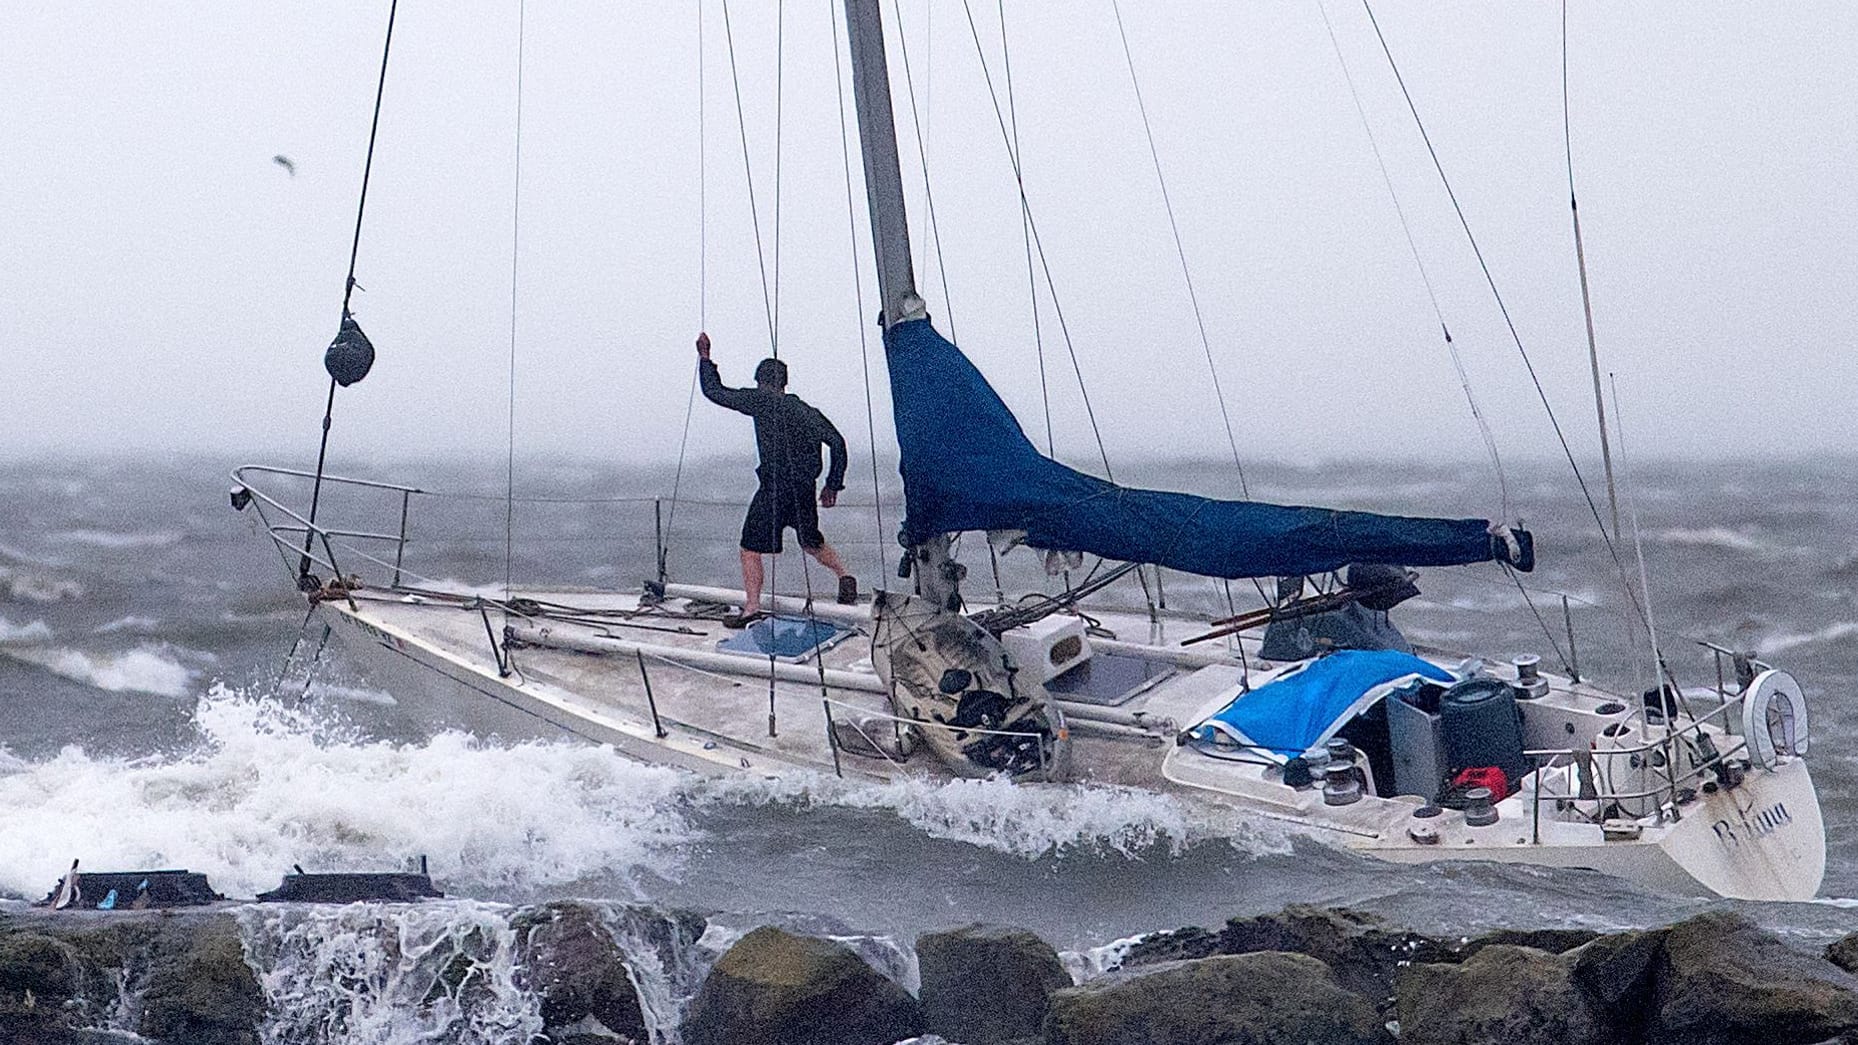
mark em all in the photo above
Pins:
pixel 1028 821
pixel 1781 642
pixel 114 540
pixel 268 788
pixel 36 631
pixel 1720 537
pixel 29 586
pixel 141 670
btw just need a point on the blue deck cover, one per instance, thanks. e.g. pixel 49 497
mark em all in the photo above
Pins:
pixel 1304 707
pixel 967 465
pixel 785 638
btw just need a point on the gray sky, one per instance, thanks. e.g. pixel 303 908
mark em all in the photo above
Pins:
pixel 168 287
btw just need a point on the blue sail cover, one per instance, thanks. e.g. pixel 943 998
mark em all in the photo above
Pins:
pixel 1303 707
pixel 967 465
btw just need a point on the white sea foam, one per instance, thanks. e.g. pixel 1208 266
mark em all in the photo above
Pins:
pixel 1781 642
pixel 270 788
pixel 1713 537
pixel 352 694
pixel 366 973
pixel 134 624
pixel 112 539
pixel 36 631
pixel 31 586
pixel 1027 821
pixel 1095 961
pixel 141 670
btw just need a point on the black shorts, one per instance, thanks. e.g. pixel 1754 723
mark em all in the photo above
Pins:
pixel 778 508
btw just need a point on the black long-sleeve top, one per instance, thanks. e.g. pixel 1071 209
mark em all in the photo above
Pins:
pixel 788 430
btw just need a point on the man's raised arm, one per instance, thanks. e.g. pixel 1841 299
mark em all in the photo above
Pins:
pixel 711 380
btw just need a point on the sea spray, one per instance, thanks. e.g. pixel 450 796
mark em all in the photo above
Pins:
pixel 377 974
pixel 266 788
pixel 665 959
pixel 145 669
pixel 998 814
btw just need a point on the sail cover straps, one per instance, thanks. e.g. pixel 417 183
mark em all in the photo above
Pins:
pixel 967 465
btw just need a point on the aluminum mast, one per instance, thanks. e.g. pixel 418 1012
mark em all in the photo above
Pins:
pixel 938 577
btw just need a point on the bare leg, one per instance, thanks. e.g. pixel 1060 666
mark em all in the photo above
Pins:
pixel 828 558
pixel 751 581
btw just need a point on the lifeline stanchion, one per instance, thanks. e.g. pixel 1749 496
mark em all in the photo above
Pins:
pixel 651 702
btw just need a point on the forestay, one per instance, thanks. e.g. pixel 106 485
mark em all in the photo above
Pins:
pixel 967 465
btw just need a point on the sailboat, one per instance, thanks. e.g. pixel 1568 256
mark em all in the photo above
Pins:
pixel 1311 711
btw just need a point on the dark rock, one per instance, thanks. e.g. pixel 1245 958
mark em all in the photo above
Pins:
pixel 199 991
pixel 1249 999
pixel 982 985
pixel 1365 951
pixel 1554 941
pixel 775 988
pixel 1498 996
pixel 1172 946
pixel 1616 970
pixel 1843 952
pixel 1721 979
pixel 36 971
pixel 577 971
pixel 39 977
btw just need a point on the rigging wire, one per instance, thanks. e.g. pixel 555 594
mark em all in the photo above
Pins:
pixel 516 212
pixel 1580 259
pixel 348 290
pixel 1025 206
pixel 1425 277
pixel 1180 250
pixel 1025 231
pixel 703 290
pixel 780 79
pixel 922 155
pixel 748 170
pixel 864 346
pixel 1490 280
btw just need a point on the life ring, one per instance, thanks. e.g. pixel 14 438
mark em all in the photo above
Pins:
pixel 1774 719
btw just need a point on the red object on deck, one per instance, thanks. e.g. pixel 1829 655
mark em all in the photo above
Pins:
pixel 1484 776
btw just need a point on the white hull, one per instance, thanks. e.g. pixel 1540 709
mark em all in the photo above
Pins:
pixel 1762 840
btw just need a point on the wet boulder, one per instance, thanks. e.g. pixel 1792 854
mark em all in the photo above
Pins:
pixel 1365 951
pixel 776 988
pixel 571 963
pixel 1720 979
pixel 1261 998
pixel 39 978
pixel 1500 995
pixel 983 985
pixel 1172 945
pixel 199 989
pixel 1843 952
pixel 1554 941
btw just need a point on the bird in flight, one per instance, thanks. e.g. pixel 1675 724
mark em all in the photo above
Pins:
pixel 285 162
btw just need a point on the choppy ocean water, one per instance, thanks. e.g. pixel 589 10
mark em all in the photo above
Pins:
pixel 143 624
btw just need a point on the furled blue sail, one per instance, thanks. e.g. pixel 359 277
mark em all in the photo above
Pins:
pixel 967 465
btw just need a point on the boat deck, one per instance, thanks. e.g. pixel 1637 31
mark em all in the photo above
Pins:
pixel 715 705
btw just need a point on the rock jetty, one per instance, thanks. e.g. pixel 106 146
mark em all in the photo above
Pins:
pixel 1313 975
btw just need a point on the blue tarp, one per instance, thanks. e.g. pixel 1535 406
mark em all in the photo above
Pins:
pixel 785 638
pixel 967 465
pixel 1300 709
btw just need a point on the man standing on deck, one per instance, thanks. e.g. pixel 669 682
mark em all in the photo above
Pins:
pixel 788 435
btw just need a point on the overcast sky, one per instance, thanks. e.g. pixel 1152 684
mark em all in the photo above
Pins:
pixel 168 287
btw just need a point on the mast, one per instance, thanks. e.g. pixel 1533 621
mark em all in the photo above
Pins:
pixel 883 175
pixel 938 577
